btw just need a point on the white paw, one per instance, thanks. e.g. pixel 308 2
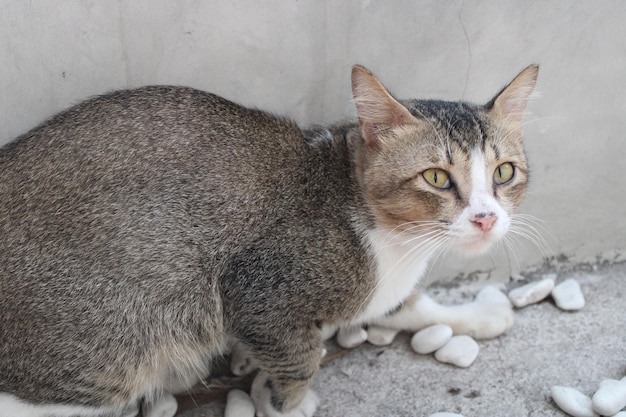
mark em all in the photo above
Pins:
pixel 380 336
pixel 349 337
pixel 261 396
pixel 165 406
pixel 489 316
pixel 492 295
pixel 241 362
pixel 239 404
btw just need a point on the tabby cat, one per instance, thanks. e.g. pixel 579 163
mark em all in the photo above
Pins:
pixel 144 232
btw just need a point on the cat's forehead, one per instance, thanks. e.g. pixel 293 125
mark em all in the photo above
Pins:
pixel 463 123
pixel 461 128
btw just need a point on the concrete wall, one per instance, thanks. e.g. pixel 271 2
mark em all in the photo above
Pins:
pixel 294 58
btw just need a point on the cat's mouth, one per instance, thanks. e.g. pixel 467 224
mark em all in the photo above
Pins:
pixel 475 246
pixel 478 242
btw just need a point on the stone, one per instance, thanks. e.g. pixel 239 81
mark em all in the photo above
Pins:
pixel 380 336
pixel 610 397
pixel 328 331
pixel 531 293
pixel 445 415
pixel 431 338
pixel 568 296
pixel 239 404
pixel 572 401
pixel 164 406
pixel 460 351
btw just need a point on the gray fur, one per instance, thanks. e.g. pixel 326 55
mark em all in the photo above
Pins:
pixel 142 230
pixel 165 215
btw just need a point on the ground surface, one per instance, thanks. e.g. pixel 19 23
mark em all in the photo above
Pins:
pixel 512 375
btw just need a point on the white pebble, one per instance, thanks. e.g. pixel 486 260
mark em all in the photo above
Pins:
pixel 431 338
pixel 328 331
pixel 445 415
pixel 610 397
pixel 460 351
pixel 568 296
pixel 349 337
pixel 380 336
pixel 573 402
pixel 239 404
pixel 620 414
pixel 531 293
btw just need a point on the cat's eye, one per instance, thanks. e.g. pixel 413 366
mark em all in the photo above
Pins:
pixel 437 178
pixel 504 173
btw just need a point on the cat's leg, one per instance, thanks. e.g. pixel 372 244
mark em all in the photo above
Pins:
pixel 241 361
pixel 263 394
pixel 490 315
pixel 288 359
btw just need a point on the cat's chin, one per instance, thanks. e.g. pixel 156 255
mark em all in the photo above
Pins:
pixel 472 248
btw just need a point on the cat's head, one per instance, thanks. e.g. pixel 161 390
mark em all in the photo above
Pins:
pixel 450 172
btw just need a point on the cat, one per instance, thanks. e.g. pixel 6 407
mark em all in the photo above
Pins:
pixel 145 232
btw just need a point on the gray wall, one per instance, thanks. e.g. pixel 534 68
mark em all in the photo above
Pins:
pixel 294 58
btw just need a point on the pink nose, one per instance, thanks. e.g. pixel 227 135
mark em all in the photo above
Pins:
pixel 485 221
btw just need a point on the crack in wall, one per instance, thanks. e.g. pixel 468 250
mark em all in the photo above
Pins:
pixel 469 48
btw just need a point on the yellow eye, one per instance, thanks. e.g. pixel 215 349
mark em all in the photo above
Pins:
pixel 437 178
pixel 504 173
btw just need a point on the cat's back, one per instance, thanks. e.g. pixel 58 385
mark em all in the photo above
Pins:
pixel 148 124
pixel 153 139
pixel 134 173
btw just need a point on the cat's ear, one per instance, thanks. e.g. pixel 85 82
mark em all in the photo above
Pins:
pixel 378 111
pixel 509 104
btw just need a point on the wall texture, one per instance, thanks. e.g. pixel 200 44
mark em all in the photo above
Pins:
pixel 294 57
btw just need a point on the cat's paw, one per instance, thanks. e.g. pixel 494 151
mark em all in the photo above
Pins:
pixel 262 397
pixel 489 316
pixel 380 336
pixel 241 362
pixel 491 295
pixel 349 337
pixel 165 406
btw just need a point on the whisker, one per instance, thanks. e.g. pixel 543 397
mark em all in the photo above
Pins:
pixel 532 237
pixel 419 229
pixel 538 223
pixel 510 250
pixel 416 224
pixel 447 245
